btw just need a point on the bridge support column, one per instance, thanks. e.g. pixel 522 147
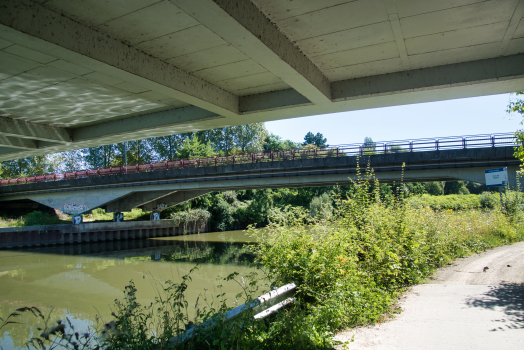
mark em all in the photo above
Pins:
pixel 77 219
pixel 118 217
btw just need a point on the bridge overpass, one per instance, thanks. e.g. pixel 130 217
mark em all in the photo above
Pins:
pixel 158 186
pixel 77 74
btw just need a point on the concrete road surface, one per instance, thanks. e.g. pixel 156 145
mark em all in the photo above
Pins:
pixel 462 307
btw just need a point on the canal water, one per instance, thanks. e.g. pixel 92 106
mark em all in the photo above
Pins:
pixel 81 282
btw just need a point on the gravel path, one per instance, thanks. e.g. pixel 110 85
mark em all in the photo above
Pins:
pixel 462 307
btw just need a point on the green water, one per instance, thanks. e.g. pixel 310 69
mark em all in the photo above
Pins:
pixel 83 281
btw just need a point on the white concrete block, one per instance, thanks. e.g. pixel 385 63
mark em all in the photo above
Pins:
pixel 278 9
pixel 135 89
pixel 4 44
pixel 372 34
pixel 95 12
pixel 208 58
pixel 462 54
pixel 148 23
pixel 102 78
pixel 32 80
pixel 151 96
pixel 250 81
pixel 230 71
pixel 334 19
pixel 487 12
pixel 519 32
pixel 13 65
pixel 408 8
pixel 515 46
pixel 69 67
pixel 29 54
pixel 182 42
pixel 361 55
pixel 456 39
pixel 261 89
pixel 365 69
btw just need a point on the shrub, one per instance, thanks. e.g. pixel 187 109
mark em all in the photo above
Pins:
pixel 197 217
pixel 321 206
pixel 489 200
pixel 451 201
pixel 37 218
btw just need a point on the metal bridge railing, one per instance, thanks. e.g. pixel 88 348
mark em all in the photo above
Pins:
pixel 400 146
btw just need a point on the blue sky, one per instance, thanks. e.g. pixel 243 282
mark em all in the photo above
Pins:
pixel 467 116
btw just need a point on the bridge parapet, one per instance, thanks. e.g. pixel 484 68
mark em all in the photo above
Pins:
pixel 355 150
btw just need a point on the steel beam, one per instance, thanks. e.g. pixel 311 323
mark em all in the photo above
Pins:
pixel 75 42
pixel 242 24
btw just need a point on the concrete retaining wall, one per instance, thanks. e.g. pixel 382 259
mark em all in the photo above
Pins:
pixel 34 236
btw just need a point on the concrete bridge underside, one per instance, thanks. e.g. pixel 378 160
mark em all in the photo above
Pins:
pixel 76 74
pixel 161 189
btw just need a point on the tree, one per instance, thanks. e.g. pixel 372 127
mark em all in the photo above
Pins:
pixel 517 106
pixel 69 161
pixel 167 147
pixel 138 152
pixel 101 156
pixel 275 143
pixel 249 138
pixel 369 146
pixel 193 148
pixel 22 167
pixel 318 140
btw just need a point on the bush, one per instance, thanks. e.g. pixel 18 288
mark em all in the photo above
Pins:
pixel 321 207
pixel 434 188
pixel 37 218
pixel 489 200
pixel 198 218
pixel 349 271
pixel 452 201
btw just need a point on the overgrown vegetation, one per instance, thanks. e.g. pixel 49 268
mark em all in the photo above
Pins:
pixel 349 267
pixel 37 218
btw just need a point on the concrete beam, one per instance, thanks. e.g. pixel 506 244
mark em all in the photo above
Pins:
pixel 162 122
pixel 512 26
pixel 441 77
pixel 14 142
pixel 174 199
pixel 54 34
pixel 80 202
pixel 391 8
pixel 33 131
pixel 243 25
pixel 134 200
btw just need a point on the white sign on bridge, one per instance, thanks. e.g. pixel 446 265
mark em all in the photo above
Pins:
pixel 496 177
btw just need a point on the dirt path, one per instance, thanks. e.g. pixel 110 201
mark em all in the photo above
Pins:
pixel 462 307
